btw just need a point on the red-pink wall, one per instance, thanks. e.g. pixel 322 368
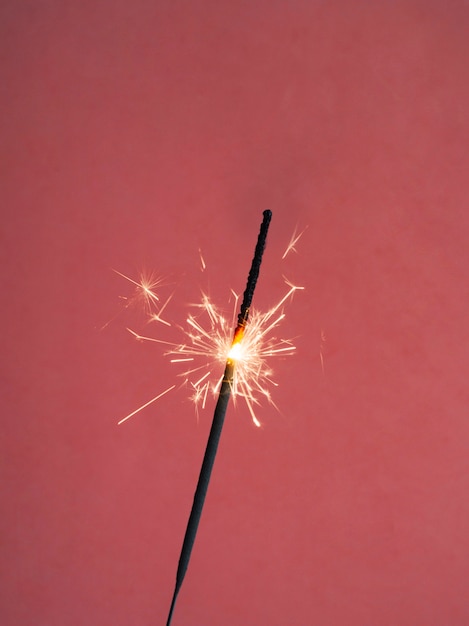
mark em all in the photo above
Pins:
pixel 135 133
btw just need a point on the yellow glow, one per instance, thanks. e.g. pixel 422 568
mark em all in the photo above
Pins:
pixel 236 352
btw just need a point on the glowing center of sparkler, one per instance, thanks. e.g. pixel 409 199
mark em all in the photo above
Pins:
pixel 236 351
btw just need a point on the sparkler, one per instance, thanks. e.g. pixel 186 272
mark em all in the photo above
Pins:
pixel 220 412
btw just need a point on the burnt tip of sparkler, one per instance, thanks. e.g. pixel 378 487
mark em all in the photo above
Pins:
pixel 255 266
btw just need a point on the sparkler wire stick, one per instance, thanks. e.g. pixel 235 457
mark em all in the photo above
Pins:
pixel 219 415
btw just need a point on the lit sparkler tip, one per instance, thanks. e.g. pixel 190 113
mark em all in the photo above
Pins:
pixel 236 351
pixel 208 339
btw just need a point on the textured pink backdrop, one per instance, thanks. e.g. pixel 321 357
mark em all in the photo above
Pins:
pixel 134 133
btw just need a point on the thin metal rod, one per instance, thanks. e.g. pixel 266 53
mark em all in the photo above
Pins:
pixel 218 418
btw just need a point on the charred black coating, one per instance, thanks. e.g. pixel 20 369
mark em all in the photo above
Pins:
pixel 255 267
pixel 218 419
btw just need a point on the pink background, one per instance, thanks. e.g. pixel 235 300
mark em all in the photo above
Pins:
pixel 134 133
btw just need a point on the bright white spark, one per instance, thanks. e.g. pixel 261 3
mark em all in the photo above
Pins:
pixel 145 293
pixel 293 241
